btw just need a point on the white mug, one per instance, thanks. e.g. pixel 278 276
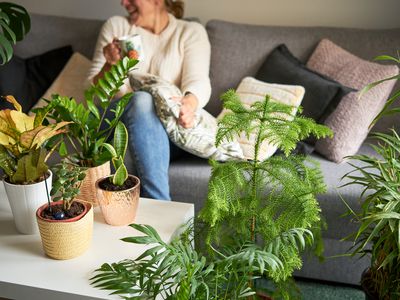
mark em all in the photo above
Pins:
pixel 131 46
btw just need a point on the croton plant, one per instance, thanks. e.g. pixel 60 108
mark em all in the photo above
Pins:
pixel 22 139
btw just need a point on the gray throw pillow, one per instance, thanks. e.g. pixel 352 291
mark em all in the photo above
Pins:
pixel 323 94
pixel 198 140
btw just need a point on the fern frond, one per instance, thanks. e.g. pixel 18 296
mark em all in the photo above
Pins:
pixel 275 123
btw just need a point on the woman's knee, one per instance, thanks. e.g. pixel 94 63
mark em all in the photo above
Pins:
pixel 141 103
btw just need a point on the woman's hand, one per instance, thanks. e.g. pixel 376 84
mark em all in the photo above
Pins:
pixel 112 52
pixel 187 113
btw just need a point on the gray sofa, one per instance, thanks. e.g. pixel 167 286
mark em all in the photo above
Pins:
pixel 237 51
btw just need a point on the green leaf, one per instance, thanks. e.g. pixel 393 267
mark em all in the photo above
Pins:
pixel 110 149
pixel 120 140
pixel 139 240
pixel 14 25
pixel 120 176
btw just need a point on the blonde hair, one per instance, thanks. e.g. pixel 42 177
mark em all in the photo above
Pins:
pixel 175 7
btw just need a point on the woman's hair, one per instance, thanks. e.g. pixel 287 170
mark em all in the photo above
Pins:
pixel 175 7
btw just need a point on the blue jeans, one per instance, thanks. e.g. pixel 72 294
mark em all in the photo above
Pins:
pixel 150 149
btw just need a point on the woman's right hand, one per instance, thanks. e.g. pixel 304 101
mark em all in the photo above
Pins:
pixel 112 52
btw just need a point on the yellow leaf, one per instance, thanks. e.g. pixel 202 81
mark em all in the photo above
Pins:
pixel 22 121
pixel 6 140
pixel 33 139
pixel 14 102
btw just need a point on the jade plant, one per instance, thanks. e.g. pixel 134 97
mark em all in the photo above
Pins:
pixel 258 218
pixel 15 23
pixel 22 143
pixel 94 120
pixel 69 177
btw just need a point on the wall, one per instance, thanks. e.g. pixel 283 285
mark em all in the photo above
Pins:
pixel 338 13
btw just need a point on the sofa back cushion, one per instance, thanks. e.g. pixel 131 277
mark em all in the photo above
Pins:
pixel 238 50
pixel 51 32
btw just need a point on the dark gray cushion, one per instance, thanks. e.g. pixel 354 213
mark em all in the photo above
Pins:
pixel 28 79
pixel 322 93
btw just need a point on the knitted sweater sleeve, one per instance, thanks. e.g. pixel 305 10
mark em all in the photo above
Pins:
pixel 196 63
pixel 113 27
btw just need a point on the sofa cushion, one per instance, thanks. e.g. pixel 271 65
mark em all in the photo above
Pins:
pixel 27 79
pixel 322 94
pixel 238 50
pixel 351 120
pixel 199 139
pixel 71 81
pixel 251 90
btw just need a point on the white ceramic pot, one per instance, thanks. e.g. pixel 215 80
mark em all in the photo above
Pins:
pixel 24 201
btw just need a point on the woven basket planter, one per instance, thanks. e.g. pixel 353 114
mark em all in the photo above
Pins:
pixel 88 186
pixel 65 239
pixel 119 207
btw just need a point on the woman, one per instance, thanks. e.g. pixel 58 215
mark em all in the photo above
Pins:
pixel 175 50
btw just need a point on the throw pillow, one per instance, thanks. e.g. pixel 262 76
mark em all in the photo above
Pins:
pixel 251 90
pixel 71 81
pixel 27 79
pixel 351 119
pixel 198 140
pixel 322 93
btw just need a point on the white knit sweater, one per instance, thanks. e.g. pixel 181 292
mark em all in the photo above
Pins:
pixel 179 54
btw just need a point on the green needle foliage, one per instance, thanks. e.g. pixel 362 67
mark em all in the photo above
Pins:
pixel 91 129
pixel 258 217
pixel 15 23
pixel 272 202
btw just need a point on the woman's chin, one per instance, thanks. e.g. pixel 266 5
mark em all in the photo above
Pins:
pixel 134 18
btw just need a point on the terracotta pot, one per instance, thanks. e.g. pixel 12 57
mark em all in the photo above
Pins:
pixel 88 186
pixel 119 207
pixel 24 200
pixel 65 239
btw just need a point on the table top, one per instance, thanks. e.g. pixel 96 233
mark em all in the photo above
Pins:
pixel 27 273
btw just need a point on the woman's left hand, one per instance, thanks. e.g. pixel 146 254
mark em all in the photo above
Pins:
pixel 187 113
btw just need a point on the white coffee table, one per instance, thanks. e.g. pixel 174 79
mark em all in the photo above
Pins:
pixel 26 273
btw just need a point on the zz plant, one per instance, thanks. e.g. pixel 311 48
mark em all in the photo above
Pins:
pixel 93 125
pixel 258 217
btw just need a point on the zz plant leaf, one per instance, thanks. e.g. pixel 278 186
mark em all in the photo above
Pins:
pixel 95 120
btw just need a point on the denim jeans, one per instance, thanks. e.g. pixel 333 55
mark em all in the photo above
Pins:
pixel 149 148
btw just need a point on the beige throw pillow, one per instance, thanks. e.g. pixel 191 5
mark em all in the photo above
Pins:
pixel 71 80
pixel 351 119
pixel 198 140
pixel 251 90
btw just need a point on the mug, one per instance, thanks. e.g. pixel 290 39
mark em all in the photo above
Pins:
pixel 131 46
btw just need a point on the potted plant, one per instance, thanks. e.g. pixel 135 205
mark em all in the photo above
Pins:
pixel 92 125
pixel 378 235
pixel 118 195
pixel 23 160
pixel 258 217
pixel 66 224
pixel 15 23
